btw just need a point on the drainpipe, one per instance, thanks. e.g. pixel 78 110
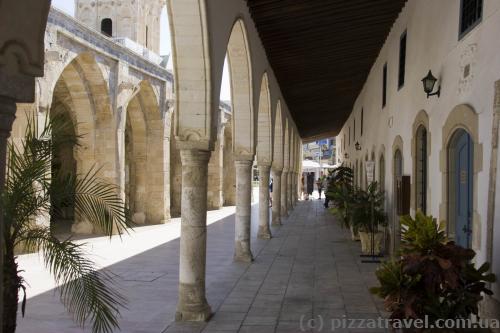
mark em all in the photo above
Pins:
pixel 490 219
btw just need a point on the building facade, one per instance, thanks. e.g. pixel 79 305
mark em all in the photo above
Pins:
pixel 446 143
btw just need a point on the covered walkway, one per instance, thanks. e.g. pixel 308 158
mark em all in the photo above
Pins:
pixel 309 268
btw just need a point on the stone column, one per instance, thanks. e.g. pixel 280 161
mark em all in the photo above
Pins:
pixel 264 230
pixel 284 194
pixel 290 191
pixel 242 251
pixel 193 305
pixel 276 211
pixel 7 116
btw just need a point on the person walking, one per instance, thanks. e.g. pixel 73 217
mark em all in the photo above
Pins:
pixel 319 185
pixel 271 193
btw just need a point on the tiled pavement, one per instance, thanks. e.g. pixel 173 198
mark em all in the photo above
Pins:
pixel 308 274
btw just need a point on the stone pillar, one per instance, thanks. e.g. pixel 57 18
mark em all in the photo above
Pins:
pixel 284 194
pixel 276 211
pixel 7 116
pixel 193 305
pixel 215 176
pixel 242 251
pixel 264 230
pixel 289 200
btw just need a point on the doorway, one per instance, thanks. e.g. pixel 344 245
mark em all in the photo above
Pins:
pixel 460 187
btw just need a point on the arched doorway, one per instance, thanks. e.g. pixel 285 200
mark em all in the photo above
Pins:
pixel 460 187
pixel 397 184
pixel 64 164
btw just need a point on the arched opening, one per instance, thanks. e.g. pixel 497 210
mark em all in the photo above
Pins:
pixel 381 172
pixel 107 27
pixel 421 169
pixel 64 164
pixel 460 187
pixel 80 96
pixel 264 135
pixel 144 167
pixel 397 187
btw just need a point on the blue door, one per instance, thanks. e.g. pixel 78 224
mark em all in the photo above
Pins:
pixel 463 151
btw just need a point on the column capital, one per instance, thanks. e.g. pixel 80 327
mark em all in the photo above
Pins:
pixel 243 162
pixel 263 166
pixel 277 171
pixel 194 157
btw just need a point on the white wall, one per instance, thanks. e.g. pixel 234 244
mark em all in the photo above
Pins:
pixel 432 43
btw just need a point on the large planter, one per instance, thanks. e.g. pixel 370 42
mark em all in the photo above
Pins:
pixel 366 242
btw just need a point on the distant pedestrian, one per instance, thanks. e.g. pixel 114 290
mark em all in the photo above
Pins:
pixel 319 185
pixel 271 193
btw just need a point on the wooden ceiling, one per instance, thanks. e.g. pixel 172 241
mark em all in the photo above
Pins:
pixel 321 52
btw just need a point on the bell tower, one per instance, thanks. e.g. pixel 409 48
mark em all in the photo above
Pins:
pixel 138 20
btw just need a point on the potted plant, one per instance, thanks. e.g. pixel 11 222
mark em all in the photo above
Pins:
pixel 434 278
pixel 368 217
pixel 341 191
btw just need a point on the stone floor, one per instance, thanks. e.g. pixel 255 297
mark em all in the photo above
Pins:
pixel 308 274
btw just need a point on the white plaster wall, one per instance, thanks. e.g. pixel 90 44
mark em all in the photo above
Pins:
pixel 432 43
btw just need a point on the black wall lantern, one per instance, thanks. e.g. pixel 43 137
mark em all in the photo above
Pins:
pixel 346 156
pixel 357 146
pixel 429 82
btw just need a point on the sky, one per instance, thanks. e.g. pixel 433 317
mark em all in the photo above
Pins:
pixel 68 6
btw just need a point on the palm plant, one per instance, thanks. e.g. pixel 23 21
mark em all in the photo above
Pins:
pixel 368 213
pixel 340 190
pixel 33 189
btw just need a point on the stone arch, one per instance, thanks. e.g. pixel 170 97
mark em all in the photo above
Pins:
pixel 286 146
pixel 278 138
pixel 420 131
pixel 144 157
pixel 82 90
pixel 194 121
pixel 238 56
pixel 264 124
pixel 462 117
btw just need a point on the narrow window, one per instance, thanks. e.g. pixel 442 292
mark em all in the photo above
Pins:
pixel 471 13
pixel 354 135
pixel 362 120
pixel 402 60
pixel 421 169
pixel 343 142
pixel 147 37
pixel 384 85
pixel 107 27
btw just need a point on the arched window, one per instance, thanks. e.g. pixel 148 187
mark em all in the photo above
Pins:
pixel 107 27
pixel 421 169
pixel 381 173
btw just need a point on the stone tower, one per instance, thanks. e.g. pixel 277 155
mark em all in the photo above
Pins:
pixel 138 20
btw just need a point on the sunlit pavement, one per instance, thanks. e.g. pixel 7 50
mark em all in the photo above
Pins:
pixel 308 270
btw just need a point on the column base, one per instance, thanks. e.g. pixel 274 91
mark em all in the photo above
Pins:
pixel 192 306
pixel 276 221
pixel 264 233
pixel 242 252
pixel 203 314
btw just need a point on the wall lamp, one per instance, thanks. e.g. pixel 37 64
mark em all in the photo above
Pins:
pixel 346 156
pixel 357 146
pixel 429 81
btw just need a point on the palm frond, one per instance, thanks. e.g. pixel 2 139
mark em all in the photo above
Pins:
pixel 95 201
pixel 86 292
